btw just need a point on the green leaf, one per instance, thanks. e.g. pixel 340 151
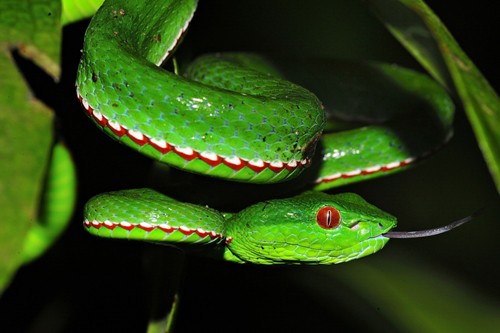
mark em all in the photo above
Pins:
pixel 77 10
pixel 33 29
pixel 414 24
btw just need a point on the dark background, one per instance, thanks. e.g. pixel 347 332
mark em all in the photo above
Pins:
pixel 84 284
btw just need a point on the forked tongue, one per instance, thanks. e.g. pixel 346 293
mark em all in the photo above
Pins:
pixel 430 232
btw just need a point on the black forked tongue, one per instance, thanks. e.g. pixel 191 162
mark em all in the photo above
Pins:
pixel 430 232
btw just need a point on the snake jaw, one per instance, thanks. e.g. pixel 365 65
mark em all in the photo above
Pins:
pixel 323 255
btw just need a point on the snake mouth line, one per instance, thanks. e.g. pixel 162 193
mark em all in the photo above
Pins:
pixel 188 154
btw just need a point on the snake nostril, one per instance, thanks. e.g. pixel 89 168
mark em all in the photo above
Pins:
pixel 355 226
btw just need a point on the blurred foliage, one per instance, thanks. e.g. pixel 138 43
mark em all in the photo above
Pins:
pixel 25 122
pixel 427 39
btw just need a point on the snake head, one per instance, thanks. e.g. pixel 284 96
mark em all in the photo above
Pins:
pixel 312 228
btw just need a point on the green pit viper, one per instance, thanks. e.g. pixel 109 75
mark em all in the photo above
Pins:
pixel 230 116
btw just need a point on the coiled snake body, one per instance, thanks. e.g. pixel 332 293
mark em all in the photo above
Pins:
pixel 227 116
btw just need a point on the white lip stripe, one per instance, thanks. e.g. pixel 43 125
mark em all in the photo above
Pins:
pixel 209 155
pixel 256 162
pixel 373 169
pixel 409 160
pixel 166 227
pixel 185 229
pixel 159 143
pixel 108 223
pixel 353 173
pixel 176 41
pixel 186 151
pixel 98 115
pixel 201 231
pixel 393 165
pixel 233 160
pixel 136 134
pixel 276 164
pixel 368 170
pixel 115 125
pixel 85 103
pixel 334 176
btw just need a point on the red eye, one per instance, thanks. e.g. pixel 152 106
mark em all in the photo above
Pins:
pixel 328 217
